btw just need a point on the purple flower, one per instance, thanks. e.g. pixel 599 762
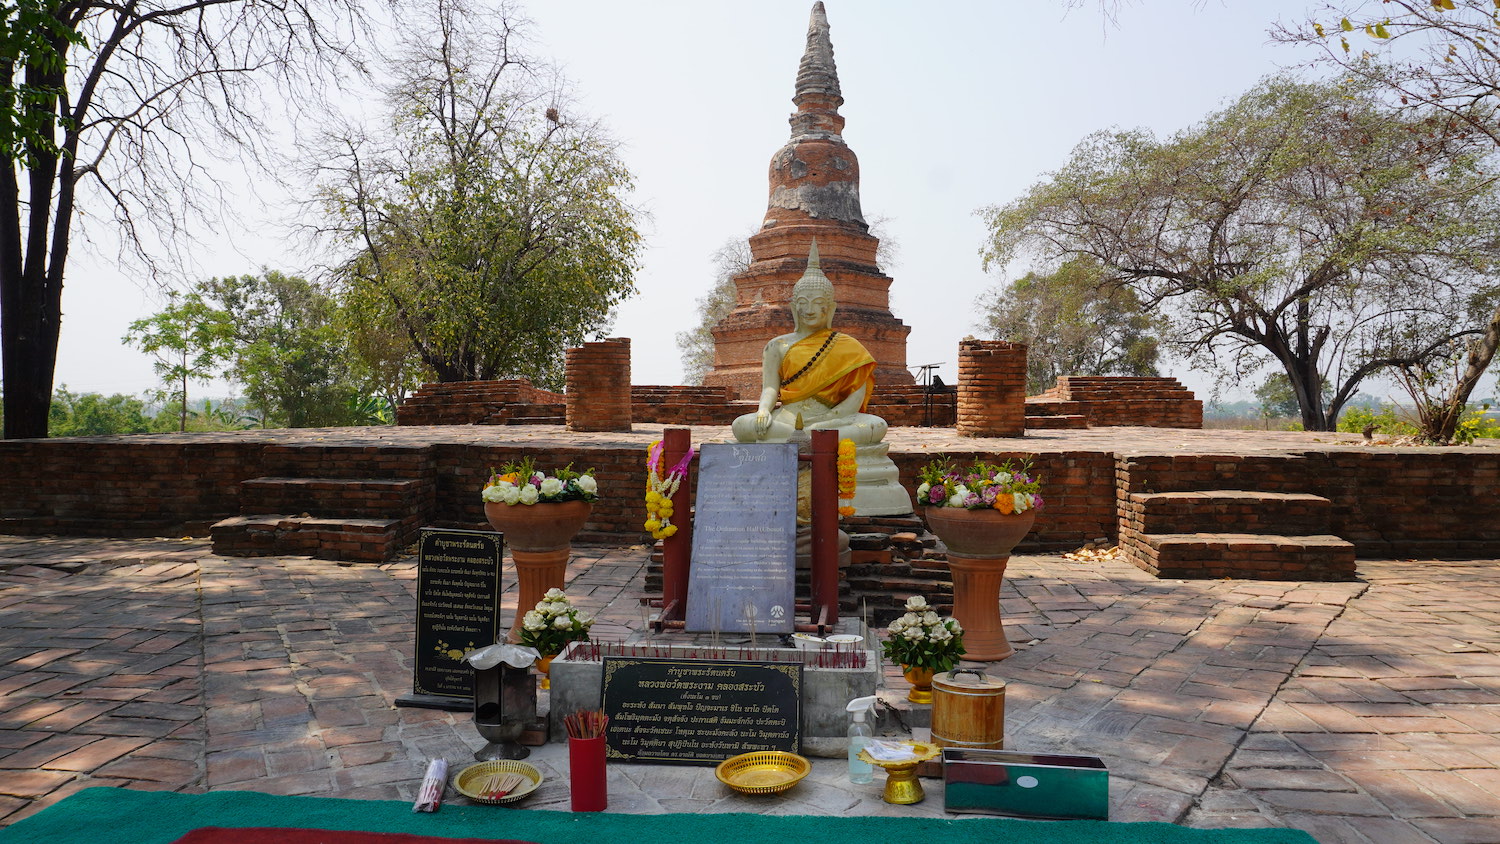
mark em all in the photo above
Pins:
pixel 937 495
pixel 989 495
pixel 1036 501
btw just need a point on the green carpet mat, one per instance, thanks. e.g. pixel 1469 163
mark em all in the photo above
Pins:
pixel 121 816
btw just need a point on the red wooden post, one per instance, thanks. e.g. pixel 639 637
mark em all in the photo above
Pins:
pixel 677 549
pixel 825 527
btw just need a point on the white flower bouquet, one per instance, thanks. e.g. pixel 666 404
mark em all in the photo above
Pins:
pixel 923 639
pixel 554 623
pixel 522 483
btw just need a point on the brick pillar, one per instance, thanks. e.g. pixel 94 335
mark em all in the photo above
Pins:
pixel 991 388
pixel 598 392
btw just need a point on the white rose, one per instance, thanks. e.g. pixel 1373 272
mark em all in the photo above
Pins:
pixel 532 621
pixel 555 594
pixel 587 484
pixel 562 622
pixel 896 626
pixel 915 634
pixel 493 494
pixel 930 618
pixel 551 487
pixel 940 634
pixel 1021 502
pixel 910 620
pixel 953 626
pixel 1003 477
pixel 585 620
pixel 916 603
pixel 923 490
pixel 510 494
pixel 528 495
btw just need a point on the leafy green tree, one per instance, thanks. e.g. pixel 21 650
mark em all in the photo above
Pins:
pixel 1276 397
pixel 1306 222
pixel 191 341
pixel 91 414
pixel 1075 322
pixel 381 360
pixel 107 113
pixel 486 222
pixel 288 352
pixel 1436 55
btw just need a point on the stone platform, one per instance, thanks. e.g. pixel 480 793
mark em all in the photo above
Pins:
pixel 360 493
pixel 1364 712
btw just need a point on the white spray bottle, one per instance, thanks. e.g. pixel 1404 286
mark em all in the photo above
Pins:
pixel 860 734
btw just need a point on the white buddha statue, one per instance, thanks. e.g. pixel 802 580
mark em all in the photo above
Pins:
pixel 826 377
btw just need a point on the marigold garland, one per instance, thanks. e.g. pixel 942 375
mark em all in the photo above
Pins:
pixel 660 489
pixel 848 469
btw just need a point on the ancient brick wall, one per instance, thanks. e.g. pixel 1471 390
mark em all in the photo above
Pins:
pixel 1412 502
pixel 120 486
pixel 991 389
pixel 504 402
pixel 598 392
pixel 684 406
pixel 911 407
pixel 1388 502
pixel 1116 401
pixel 664 405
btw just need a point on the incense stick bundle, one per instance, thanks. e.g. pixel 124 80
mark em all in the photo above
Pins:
pixel 430 795
pixel 586 723
pixel 499 785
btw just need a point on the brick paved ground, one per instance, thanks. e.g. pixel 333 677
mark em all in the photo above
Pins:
pixel 1361 712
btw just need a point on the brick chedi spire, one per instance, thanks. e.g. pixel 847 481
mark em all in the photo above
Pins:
pixel 814 194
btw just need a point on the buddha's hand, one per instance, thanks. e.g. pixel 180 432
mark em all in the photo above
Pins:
pixel 762 424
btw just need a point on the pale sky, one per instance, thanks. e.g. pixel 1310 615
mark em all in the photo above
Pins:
pixel 949 106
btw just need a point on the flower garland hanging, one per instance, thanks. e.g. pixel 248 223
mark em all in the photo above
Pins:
pixel 848 470
pixel 660 489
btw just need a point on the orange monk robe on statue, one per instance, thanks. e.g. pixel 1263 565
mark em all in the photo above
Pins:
pixel 842 367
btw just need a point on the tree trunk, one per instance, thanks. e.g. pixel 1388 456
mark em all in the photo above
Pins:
pixel 1481 352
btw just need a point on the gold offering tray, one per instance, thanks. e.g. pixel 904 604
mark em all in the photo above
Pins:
pixel 763 772
pixel 471 781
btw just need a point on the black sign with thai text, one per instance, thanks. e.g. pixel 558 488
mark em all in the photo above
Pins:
pixel 700 711
pixel 458 607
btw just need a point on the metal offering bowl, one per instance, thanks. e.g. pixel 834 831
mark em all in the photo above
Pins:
pixel 763 772
pixel 471 780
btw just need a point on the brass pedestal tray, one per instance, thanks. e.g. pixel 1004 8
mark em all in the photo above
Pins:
pixel 901 784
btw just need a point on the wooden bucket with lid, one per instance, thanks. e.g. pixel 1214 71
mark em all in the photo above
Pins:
pixel 968 710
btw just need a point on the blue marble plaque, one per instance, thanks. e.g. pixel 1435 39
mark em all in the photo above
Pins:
pixel 743 571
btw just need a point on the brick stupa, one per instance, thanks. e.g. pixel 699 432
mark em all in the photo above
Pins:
pixel 814 193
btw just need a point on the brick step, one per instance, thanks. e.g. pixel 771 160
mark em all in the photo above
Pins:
pixel 1070 421
pixel 1241 555
pixel 267 535
pixel 898 579
pixel 1240 511
pixel 359 497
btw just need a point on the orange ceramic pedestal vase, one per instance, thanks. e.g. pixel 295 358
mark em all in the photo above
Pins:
pixel 540 537
pixel 979 545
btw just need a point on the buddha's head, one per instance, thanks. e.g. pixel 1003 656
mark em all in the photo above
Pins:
pixel 813 301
